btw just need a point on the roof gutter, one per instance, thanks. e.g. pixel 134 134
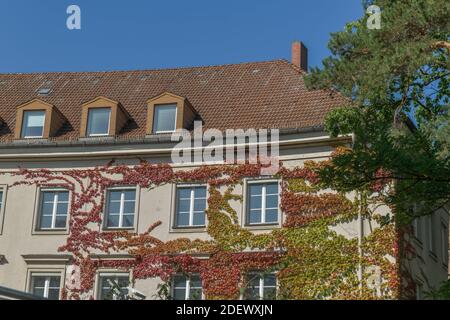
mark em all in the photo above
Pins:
pixel 141 152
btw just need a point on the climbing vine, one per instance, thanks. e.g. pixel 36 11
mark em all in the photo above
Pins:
pixel 312 258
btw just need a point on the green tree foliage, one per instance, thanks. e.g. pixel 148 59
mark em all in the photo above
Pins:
pixel 397 82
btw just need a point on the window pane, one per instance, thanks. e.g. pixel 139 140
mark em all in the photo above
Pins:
pixel 196 282
pixel 128 221
pixel 182 219
pixel 38 282
pixel 179 294
pixel 115 195
pixel 54 282
pixel 254 216
pixel 200 192
pixel 53 294
pixel 130 195
pixel 46 222
pixel 1 199
pixel 255 202
pixel 63 196
pixel 33 124
pixel 60 222
pixel 272 201
pixel 62 208
pixel 199 218
pixel 47 209
pixel 184 193
pixel 98 121
pixel 184 205
pixel 199 204
pixel 252 290
pixel 255 189
pixel 48 196
pixel 271 215
pixel 270 280
pixel 179 282
pixel 114 207
pixel 164 119
pixel 128 207
pixel 272 188
pixel 113 221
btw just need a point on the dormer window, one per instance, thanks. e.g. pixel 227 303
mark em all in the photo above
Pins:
pixel 99 120
pixel 169 112
pixel 102 117
pixel 165 117
pixel 37 119
pixel 33 124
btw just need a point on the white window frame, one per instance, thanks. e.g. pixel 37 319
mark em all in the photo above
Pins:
pixel 191 205
pixel 431 234
pixel 54 209
pixel 444 243
pixel 156 106
pixel 187 292
pixel 88 134
pixel 418 229
pixel 46 288
pixel 22 135
pixel 419 290
pixel 261 287
pixel 263 204
pixel 4 190
pixel 122 204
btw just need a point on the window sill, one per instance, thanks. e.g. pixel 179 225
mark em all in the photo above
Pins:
pixel 110 230
pixel 263 226
pixel 96 138
pixel 30 140
pixel 50 232
pixel 200 229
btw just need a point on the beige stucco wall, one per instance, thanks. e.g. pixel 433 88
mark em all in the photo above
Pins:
pixel 18 239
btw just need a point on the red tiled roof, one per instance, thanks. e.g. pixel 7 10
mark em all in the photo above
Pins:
pixel 249 95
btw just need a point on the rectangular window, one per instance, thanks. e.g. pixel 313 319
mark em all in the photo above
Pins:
pixel 33 124
pixel 262 202
pixel 1 201
pixel 261 286
pixel 46 286
pixel 431 233
pixel 54 210
pixel 187 287
pixel 419 291
pixel 417 225
pixel 98 122
pixel 190 207
pixel 164 119
pixel 121 208
pixel 444 243
pixel 113 287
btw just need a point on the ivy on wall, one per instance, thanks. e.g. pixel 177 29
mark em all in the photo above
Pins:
pixel 312 259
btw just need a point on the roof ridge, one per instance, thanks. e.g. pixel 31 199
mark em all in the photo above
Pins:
pixel 143 70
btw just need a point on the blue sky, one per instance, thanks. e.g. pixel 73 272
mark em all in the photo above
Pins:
pixel 137 34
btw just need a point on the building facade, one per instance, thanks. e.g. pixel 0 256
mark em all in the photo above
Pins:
pixel 60 130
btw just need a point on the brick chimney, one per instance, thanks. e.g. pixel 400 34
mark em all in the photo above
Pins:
pixel 300 55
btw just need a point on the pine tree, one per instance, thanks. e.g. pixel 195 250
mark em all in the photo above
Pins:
pixel 397 82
